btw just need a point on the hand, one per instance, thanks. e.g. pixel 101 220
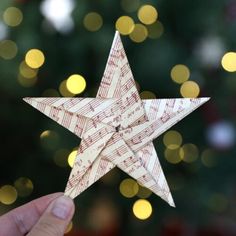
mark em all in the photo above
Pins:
pixel 46 216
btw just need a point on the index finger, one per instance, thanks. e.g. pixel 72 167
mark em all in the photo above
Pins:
pixel 19 221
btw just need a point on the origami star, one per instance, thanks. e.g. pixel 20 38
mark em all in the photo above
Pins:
pixel 117 127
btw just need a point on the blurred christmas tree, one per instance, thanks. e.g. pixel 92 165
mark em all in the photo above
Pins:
pixel 175 49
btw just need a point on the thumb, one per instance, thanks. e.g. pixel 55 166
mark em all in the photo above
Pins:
pixel 55 219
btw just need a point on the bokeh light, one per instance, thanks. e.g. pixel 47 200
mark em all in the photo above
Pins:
pixel 130 5
pixel 142 209
pixel 208 158
pixel 8 194
pixel 60 157
pixel 189 152
pixel 24 186
pixel 26 82
pixel 93 21
pixel 147 14
pixel 143 192
pixel 64 91
pixel 155 30
pixel 27 71
pixel 139 33
pixel 50 93
pixel 125 25
pixel 72 157
pixel 76 84
pixel 12 16
pixel 180 73
pixel 173 156
pixel 34 58
pixel 69 227
pixel 172 139
pixel 8 49
pixel 189 89
pixel 147 95
pixel 229 61
pixel 49 139
pixel 129 188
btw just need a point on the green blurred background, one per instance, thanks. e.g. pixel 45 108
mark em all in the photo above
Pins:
pixel 175 49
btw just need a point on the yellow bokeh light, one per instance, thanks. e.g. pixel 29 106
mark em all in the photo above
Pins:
pixel 174 156
pixel 125 25
pixel 76 84
pixel 8 194
pixel 189 89
pixel 24 186
pixel 72 157
pixel 34 58
pixel 8 49
pixel 12 16
pixel 64 91
pixel 172 139
pixel 147 95
pixel 129 188
pixel 26 82
pixel 60 157
pixel 50 93
pixel 69 227
pixel 93 21
pixel 208 158
pixel 144 192
pixel 139 33
pixel 130 5
pixel 189 152
pixel 229 61
pixel 155 30
pixel 142 209
pixel 27 71
pixel 147 14
pixel 180 73
pixel 49 139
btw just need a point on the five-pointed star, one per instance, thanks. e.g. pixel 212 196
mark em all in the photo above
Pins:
pixel 117 127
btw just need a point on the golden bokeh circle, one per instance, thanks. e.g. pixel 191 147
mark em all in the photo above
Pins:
pixel 228 61
pixel 180 73
pixel 8 49
pixel 34 58
pixel 93 21
pixel 12 16
pixel 155 30
pixel 72 157
pixel 125 25
pixel 189 89
pixel 172 139
pixel 8 194
pixel 76 84
pixel 139 33
pixel 24 186
pixel 147 14
pixel 129 188
pixel 142 209
pixel 147 95
pixel 190 152
pixel 173 156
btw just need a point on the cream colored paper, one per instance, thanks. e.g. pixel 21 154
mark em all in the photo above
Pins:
pixel 117 127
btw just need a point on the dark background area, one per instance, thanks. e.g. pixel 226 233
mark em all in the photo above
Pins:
pixel 197 34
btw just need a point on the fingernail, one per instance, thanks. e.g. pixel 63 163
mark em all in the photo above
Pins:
pixel 62 207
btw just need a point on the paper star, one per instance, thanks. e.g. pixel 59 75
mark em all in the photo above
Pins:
pixel 117 127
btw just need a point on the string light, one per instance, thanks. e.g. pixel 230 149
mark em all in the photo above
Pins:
pixel 12 16
pixel 139 33
pixel 180 73
pixel 76 84
pixel 172 139
pixel 229 61
pixel 155 30
pixel 72 157
pixel 8 49
pixel 125 25
pixel 8 194
pixel 189 89
pixel 129 188
pixel 93 21
pixel 34 58
pixel 190 152
pixel 142 209
pixel 24 186
pixel 147 14
pixel 130 5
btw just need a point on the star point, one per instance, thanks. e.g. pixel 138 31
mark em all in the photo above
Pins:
pixel 117 127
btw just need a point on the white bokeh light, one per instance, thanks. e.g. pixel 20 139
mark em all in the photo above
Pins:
pixel 58 13
pixel 3 31
pixel 221 135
